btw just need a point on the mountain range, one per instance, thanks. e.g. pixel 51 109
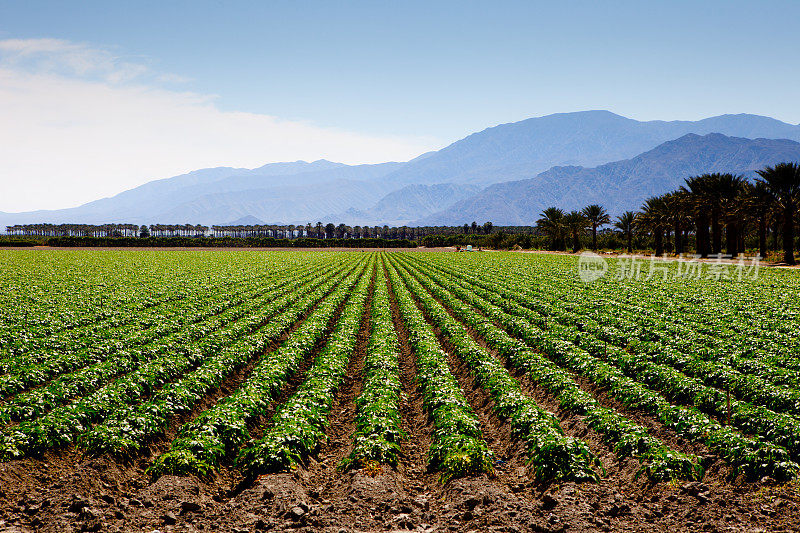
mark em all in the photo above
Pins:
pixel 506 174
pixel 618 186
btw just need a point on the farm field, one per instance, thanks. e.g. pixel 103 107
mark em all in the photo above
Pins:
pixel 146 390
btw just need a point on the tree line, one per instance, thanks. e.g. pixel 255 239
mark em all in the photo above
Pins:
pixel 273 231
pixel 707 209
pixel 344 231
pixel 73 230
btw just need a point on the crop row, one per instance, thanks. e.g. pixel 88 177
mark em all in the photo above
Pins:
pixel 44 293
pixel 127 430
pixel 62 425
pixel 754 456
pixel 378 433
pixel 135 326
pixel 658 462
pixel 731 361
pixel 108 360
pixel 29 405
pixel 298 427
pixel 728 322
pixel 218 432
pixel 457 444
pixel 553 455
pixel 156 321
pixel 777 427
pixel 88 302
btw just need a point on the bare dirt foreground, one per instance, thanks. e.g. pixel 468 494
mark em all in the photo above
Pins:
pixel 65 492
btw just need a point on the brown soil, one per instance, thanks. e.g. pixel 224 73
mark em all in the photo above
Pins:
pixel 64 491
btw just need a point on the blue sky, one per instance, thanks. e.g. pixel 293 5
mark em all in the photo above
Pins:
pixel 373 80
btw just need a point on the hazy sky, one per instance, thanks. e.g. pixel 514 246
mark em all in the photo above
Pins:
pixel 96 97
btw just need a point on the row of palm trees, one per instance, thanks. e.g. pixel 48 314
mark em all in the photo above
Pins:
pixel 344 231
pixel 709 207
pixel 176 230
pixel 561 226
pixel 316 231
pixel 277 231
pixel 74 230
pixel 717 204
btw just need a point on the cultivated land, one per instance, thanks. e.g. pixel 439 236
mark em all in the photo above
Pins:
pixel 371 391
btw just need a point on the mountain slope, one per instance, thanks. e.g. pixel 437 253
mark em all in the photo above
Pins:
pixel 295 204
pixel 156 196
pixel 588 138
pixel 401 207
pixel 210 196
pixel 618 186
pixel 248 220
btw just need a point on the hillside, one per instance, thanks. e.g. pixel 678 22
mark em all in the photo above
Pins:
pixel 402 207
pixel 618 186
pixel 213 196
pixel 589 138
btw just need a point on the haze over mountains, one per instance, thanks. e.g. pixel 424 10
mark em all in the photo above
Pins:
pixel 621 185
pixel 506 174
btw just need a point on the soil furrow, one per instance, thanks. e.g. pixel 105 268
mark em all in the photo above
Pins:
pixel 323 468
pixel 546 400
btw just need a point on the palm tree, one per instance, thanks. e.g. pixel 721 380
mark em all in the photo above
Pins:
pixel 625 223
pixel 783 182
pixel 597 216
pixel 696 189
pixel 729 190
pixel 714 184
pixel 575 223
pixel 758 201
pixel 552 223
pixel 654 218
pixel 678 204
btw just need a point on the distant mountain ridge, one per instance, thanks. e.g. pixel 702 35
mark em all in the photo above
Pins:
pixel 301 192
pixel 618 186
pixel 587 138
pixel 402 207
pixel 248 220
pixel 277 192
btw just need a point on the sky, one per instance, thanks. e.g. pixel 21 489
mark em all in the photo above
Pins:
pixel 100 96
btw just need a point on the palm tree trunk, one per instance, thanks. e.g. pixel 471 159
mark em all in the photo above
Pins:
pixel 788 231
pixel 775 225
pixel 594 237
pixel 762 235
pixel 678 242
pixel 716 231
pixel 741 231
pixel 576 242
pixel 702 236
pixel 732 239
pixel 659 236
pixel 629 234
